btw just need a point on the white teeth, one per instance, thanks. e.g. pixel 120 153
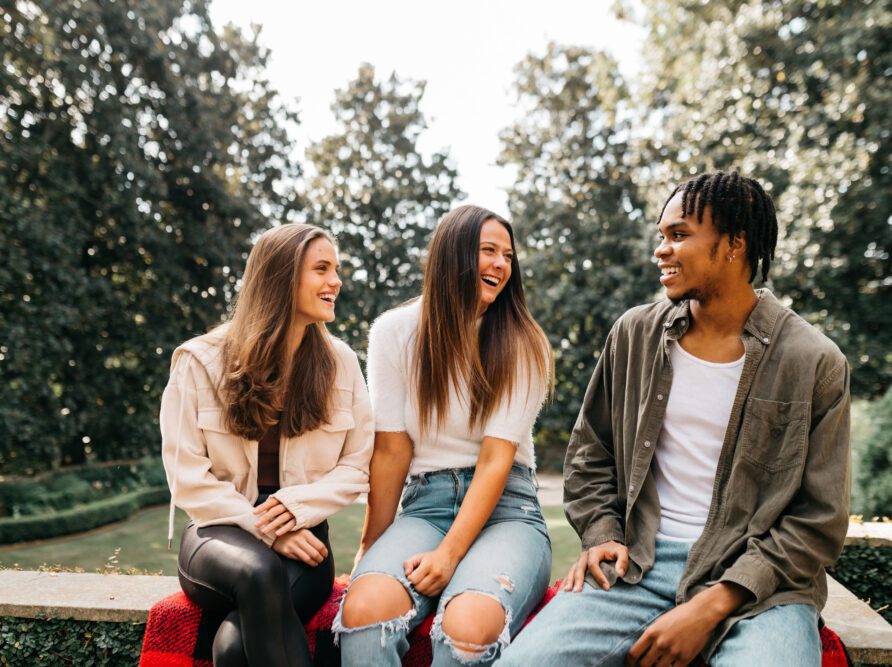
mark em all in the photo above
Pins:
pixel 330 298
pixel 669 270
pixel 489 280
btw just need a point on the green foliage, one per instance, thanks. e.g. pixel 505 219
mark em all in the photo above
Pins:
pixel 578 214
pixel 63 489
pixel 874 474
pixel 379 195
pixel 794 93
pixel 55 642
pixel 79 518
pixel 138 146
pixel 865 571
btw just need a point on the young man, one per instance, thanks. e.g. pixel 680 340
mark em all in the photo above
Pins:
pixel 708 472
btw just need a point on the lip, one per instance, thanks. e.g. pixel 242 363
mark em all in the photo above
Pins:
pixel 497 286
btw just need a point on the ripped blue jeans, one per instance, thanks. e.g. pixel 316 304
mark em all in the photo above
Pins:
pixel 510 561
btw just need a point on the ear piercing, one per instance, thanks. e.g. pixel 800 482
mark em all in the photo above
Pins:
pixel 730 258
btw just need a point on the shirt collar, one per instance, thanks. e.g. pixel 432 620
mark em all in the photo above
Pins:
pixel 760 323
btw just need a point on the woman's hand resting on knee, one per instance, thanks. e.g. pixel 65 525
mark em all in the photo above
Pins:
pixel 429 572
pixel 301 545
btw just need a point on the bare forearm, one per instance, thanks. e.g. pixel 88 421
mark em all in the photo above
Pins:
pixel 387 473
pixel 718 602
pixel 490 475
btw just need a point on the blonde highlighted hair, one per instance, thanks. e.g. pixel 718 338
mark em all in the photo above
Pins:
pixel 259 382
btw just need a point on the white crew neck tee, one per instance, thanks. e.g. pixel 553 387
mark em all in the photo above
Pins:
pixel 454 444
pixel 688 449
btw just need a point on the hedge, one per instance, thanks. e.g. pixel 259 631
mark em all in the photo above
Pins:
pixel 68 487
pixel 864 570
pixel 77 519
pixel 28 642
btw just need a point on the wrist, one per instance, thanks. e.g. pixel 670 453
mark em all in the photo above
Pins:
pixel 452 551
pixel 719 601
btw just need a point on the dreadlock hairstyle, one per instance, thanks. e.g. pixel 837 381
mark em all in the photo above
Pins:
pixel 738 205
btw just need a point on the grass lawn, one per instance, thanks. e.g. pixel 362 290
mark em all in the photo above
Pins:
pixel 140 543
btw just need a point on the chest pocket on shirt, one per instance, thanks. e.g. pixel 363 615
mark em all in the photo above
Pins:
pixel 773 434
pixel 323 446
pixel 225 450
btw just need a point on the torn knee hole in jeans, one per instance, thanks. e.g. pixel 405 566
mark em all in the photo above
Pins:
pixel 465 652
pixel 388 627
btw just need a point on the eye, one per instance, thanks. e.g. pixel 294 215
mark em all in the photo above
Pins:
pixel 678 235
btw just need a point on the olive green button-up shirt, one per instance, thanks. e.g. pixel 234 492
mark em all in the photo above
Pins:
pixel 779 509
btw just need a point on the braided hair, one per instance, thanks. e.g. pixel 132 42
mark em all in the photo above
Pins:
pixel 739 205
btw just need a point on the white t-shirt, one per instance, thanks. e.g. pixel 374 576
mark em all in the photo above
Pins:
pixel 690 443
pixel 454 444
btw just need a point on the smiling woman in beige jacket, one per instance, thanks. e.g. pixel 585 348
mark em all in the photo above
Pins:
pixel 266 431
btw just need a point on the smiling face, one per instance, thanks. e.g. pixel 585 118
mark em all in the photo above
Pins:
pixel 495 257
pixel 693 258
pixel 318 284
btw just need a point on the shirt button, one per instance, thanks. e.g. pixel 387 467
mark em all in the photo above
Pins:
pixel 631 488
pixel 647 443
pixel 659 397
pixel 765 340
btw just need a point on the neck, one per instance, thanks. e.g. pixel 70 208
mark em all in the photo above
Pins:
pixel 725 314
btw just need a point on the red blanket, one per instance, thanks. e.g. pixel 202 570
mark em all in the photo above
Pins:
pixel 179 635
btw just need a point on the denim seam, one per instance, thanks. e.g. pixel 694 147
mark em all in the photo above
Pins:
pixel 633 633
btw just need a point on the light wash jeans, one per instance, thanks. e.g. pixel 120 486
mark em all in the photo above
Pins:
pixel 510 561
pixel 598 627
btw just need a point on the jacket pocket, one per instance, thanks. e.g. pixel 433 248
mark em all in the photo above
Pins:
pixel 224 449
pixel 322 448
pixel 773 434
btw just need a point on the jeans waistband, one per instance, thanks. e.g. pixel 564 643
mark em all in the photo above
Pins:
pixel 526 473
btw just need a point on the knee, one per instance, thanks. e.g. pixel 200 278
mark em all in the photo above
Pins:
pixel 374 598
pixel 228 650
pixel 471 620
pixel 261 573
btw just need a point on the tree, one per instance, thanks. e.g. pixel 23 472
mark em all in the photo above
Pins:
pixel 379 195
pixel 794 93
pixel 578 214
pixel 137 147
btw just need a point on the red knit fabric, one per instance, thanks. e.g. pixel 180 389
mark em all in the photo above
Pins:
pixel 172 631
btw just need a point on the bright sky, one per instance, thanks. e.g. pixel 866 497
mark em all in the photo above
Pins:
pixel 465 50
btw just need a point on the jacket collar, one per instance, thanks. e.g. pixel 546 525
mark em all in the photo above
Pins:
pixel 760 324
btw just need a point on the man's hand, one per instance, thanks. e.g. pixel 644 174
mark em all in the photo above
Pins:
pixel 429 572
pixel 676 638
pixel 591 559
pixel 301 545
pixel 679 635
pixel 274 516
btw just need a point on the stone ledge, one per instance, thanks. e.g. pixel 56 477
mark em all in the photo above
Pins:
pixel 128 598
pixel 870 534
pixel 83 597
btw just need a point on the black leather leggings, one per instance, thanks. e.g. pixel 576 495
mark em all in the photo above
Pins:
pixel 266 597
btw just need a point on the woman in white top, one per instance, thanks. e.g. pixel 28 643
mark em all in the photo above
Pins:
pixel 457 379
pixel 266 431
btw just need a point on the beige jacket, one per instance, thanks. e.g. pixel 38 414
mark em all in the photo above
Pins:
pixel 213 474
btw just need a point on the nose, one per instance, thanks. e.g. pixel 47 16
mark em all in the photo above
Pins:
pixel 336 281
pixel 662 249
pixel 500 261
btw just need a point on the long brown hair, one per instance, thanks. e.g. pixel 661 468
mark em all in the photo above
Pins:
pixel 449 347
pixel 254 386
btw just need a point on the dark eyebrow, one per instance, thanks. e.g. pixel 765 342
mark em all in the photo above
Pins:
pixel 675 223
pixel 326 262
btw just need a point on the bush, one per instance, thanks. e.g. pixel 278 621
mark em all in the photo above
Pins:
pixel 874 476
pixel 864 570
pixel 65 489
pixel 52 642
pixel 78 519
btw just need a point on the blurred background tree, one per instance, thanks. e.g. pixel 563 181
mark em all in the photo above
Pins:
pixel 578 214
pixel 796 93
pixel 140 149
pixel 372 187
